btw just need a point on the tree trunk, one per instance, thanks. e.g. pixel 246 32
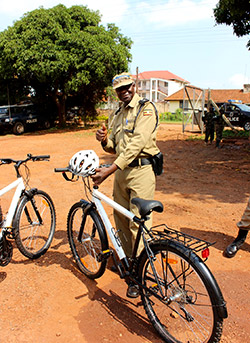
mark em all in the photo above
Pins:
pixel 61 107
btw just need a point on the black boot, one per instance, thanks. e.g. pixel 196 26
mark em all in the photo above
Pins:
pixel 232 249
pixel 133 291
pixel 217 145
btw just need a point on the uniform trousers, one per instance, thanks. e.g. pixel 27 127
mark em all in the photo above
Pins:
pixel 244 223
pixel 128 184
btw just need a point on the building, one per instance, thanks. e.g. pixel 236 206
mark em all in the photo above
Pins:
pixel 175 100
pixel 157 85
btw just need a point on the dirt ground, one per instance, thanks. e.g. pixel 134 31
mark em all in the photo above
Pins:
pixel 204 191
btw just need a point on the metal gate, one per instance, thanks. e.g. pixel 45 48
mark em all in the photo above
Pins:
pixel 193 107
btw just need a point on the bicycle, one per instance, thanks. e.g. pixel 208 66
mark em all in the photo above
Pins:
pixel 179 293
pixel 31 217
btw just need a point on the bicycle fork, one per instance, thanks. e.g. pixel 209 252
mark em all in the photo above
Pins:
pixel 30 195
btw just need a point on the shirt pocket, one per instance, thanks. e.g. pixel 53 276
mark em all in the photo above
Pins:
pixel 129 126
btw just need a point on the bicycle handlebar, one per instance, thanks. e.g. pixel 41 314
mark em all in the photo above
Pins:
pixel 29 157
pixel 62 170
pixel 67 169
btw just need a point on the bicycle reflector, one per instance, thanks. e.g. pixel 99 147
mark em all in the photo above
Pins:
pixel 170 260
pixel 205 253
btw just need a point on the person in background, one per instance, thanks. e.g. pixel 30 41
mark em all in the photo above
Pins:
pixel 209 124
pixel 133 141
pixel 219 127
pixel 244 227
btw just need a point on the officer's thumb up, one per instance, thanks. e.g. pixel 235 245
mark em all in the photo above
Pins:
pixel 101 134
pixel 104 129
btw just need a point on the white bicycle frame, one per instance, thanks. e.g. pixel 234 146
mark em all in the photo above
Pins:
pixel 19 185
pixel 96 198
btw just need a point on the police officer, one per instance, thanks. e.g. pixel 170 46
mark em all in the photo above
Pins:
pixel 244 227
pixel 209 124
pixel 219 127
pixel 133 141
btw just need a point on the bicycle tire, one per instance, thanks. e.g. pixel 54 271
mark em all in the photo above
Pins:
pixel 33 235
pixel 87 249
pixel 1 216
pixel 192 314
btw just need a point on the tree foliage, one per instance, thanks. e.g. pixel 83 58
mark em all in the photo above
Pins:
pixel 63 52
pixel 235 13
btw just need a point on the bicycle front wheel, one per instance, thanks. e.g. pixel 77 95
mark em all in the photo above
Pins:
pixel 180 301
pixel 87 240
pixel 1 216
pixel 34 224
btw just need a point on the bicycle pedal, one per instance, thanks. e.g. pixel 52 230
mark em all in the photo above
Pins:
pixel 104 255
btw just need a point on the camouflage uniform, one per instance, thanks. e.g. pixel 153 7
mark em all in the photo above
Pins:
pixel 219 127
pixel 209 125
pixel 244 223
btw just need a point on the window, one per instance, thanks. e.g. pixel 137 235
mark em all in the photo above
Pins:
pixel 186 103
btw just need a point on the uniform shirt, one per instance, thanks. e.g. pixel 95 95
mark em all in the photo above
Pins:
pixel 129 144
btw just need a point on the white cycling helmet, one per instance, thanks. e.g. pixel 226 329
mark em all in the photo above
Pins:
pixel 84 163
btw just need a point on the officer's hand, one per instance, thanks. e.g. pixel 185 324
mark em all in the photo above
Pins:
pixel 101 134
pixel 102 173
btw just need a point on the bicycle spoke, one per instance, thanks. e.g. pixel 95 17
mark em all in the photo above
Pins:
pixel 178 304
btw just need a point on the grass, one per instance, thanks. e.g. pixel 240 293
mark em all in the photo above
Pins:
pixel 230 134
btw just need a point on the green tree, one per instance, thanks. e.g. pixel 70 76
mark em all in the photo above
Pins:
pixel 62 52
pixel 235 13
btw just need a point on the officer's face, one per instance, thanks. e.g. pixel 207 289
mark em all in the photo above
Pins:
pixel 126 93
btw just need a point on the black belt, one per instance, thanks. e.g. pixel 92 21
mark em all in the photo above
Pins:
pixel 139 162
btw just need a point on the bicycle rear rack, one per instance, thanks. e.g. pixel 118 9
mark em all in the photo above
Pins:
pixel 196 244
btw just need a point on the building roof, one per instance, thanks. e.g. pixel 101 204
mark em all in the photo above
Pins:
pixel 217 95
pixel 159 74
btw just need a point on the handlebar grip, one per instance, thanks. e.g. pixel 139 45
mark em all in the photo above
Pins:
pixel 6 160
pixel 61 170
pixel 41 157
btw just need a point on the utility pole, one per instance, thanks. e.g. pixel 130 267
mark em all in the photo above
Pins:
pixel 136 80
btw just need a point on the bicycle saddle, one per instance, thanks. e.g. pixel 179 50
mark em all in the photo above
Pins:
pixel 147 206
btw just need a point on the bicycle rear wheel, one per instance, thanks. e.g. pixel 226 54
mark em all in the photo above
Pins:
pixel 34 224
pixel 182 302
pixel 87 240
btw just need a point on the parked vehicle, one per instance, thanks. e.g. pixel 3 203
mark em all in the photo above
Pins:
pixel 27 117
pixel 238 114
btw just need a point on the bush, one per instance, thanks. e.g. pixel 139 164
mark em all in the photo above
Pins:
pixel 168 116
pixel 233 134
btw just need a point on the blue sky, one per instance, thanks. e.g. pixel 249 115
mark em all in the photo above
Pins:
pixel 175 35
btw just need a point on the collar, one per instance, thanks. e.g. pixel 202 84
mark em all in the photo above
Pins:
pixel 134 101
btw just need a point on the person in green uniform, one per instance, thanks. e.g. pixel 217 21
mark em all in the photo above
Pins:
pixel 244 227
pixel 209 124
pixel 133 141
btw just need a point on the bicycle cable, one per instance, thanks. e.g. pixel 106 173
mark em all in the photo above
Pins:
pixel 87 188
pixel 26 175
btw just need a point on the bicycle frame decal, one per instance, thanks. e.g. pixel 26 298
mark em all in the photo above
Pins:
pixel 96 198
pixel 19 184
